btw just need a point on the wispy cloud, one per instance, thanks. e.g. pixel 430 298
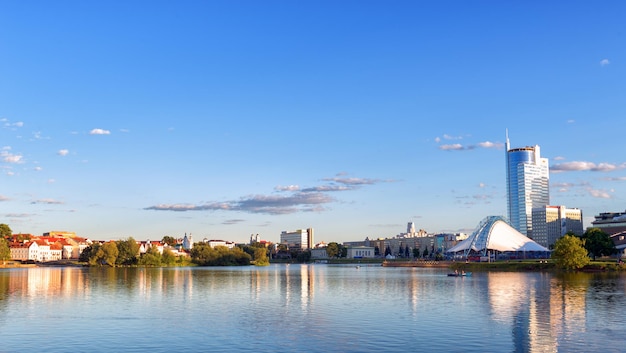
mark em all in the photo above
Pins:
pixel 17 215
pixel 9 157
pixel 47 202
pixel 605 62
pixel 233 221
pixel 615 179
pixel 265 204
pixel 3 198
pixel 571 121
pixel 63 152
pixel 10 125
pixel 329 188
pixel 600 194
pixel 353 181
pixel 296 199
pixel 460 147
pixel 287 188
pixel 99 132
pixel 586 166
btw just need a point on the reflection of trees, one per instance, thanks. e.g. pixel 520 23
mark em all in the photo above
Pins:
pixel 4 291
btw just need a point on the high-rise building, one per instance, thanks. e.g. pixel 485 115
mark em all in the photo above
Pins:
pixel 552 222
pixel 527 185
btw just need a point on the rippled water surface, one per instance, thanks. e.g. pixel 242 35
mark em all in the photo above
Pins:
pixel 308 308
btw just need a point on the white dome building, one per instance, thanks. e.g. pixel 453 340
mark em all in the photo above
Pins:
pixel 495 234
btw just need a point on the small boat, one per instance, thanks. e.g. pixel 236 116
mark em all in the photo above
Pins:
pixel 459 274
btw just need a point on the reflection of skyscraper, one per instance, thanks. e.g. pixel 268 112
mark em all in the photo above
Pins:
pixel 527 187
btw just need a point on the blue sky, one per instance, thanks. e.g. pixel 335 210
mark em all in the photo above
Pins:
pixel 229 118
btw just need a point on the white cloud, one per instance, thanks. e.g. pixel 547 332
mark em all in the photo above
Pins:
pixel 586 166
pixel 47 202
pixel 489 144
pixel 481 185
pixel 437 139
pixel 453 147
pixel 63 152
pixel 601 194
pixel 99 132
pixel 559 158
pixel 9 157
pixel 38 169
pixel 604 62
pixel 571 121
pixel 3 198
pixel 287 188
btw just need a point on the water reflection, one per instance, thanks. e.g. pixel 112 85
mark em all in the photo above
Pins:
pixel 320 307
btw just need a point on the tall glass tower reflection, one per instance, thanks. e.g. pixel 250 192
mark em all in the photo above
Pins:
pixel 527 185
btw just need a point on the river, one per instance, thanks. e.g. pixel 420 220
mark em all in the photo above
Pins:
pixel 308 308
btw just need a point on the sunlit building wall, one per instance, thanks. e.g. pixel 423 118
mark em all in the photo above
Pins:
pixel 549 223
pixel 298 239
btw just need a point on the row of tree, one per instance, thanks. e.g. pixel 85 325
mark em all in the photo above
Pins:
pixel 126 253
pixel 572 252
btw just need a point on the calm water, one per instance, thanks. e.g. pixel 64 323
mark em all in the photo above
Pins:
pixel 308 308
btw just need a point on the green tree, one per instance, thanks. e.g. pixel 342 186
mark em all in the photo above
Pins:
pixel 598 243
pixel 425 253
pixel 569 253
pixel 128 251
pixel 416 253
pixel 152 257
pixel 108 253
pixel 260 257
pixel 171 241
pixel 168 258
pixel 5 231
pixel 333 250
pixel 5 252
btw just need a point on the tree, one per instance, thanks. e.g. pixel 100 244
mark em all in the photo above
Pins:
pixel 171 241
pixel 168 258
pixel 333 250
pixel 260 257
pixel 598 243
pixel 425 253
pixel 152 257
pixel 109 253
pixel 416 253
pixel 387 251
pixel 569 253
pixel 406 251
pixel 128 251
pixel 401 251
pixel 5 231
pixel 5 251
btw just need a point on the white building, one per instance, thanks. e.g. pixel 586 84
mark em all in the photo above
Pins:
pixel 299 239
pixel 360 252
pixel 549 223
pixel 24 251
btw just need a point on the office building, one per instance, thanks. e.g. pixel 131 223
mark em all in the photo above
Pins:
pixel 299 239
pixel 527 185
pixel 549 223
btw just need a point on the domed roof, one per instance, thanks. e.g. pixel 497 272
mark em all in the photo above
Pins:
pixel 494 233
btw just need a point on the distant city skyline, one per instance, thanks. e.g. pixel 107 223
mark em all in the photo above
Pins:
pixel 224 119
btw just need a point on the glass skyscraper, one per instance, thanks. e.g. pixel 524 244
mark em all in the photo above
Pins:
pixel 527 185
